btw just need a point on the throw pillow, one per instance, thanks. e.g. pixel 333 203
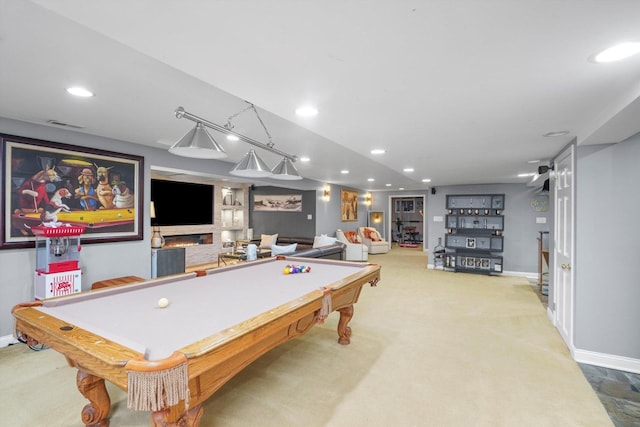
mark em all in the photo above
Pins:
pixel 372 234
pixel 367 233
pixel 351 236
pixel 283 250
pixel 268 240
pixel 323 240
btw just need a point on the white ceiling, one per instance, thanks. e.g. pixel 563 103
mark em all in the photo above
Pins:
pixel 462 91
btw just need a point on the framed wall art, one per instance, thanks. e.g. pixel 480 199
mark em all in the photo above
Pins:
pixel 277 203
pixel 52 183
pixel 349 205
pixel 404 206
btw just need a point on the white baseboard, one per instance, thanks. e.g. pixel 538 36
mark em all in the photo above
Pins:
pixel 528 275
pixel 7 340
pixel 533 276
pixel 611 361
pixel 604 360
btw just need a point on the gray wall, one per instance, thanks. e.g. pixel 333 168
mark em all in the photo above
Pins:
pixel 607 288
pixel 328 213
pixel 289 224
pixel 325 215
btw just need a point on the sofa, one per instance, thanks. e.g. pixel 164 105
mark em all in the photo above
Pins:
pixel 304 248
pixel 355 251
pixel 372 239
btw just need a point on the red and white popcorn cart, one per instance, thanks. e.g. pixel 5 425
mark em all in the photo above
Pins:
pixel 57 257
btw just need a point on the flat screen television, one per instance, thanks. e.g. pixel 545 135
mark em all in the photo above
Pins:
pixel 181 203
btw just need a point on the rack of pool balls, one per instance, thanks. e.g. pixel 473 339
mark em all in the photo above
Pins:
pixel 293 269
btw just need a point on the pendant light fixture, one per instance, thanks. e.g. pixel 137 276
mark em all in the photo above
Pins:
pixel 285 170
pixel 251 166
pixel 200 144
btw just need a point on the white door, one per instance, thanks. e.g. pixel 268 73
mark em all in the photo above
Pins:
pixel 563 284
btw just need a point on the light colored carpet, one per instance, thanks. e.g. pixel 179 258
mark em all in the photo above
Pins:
pixel 429 348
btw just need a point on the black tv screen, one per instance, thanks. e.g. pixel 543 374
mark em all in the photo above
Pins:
pixel 181 203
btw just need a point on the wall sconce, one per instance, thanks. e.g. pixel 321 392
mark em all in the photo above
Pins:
pixel 368 199
pixel 326 193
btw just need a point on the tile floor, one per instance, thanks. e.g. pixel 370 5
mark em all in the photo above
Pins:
pixel 618 391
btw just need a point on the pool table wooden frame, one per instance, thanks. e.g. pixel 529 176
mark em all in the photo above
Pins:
pixel 211 362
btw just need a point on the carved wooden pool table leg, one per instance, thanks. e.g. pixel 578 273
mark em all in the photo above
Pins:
pixel 95 413
pixel 191 418
pixel 344 331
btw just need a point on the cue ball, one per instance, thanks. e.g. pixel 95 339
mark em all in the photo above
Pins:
pixel 163 302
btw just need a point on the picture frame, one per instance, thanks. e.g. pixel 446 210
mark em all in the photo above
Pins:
pixel 470 243
pixel 277 203
pixel 408 206
pixel 348 205
pixel 45 182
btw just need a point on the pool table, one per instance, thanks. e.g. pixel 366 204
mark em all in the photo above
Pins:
pixel 170 360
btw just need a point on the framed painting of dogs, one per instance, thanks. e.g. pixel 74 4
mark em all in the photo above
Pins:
pixel 50 183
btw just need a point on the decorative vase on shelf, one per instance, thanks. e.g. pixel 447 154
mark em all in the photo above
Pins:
pixel 157 241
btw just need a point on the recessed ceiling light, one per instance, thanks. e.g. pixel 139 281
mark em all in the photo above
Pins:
pixel 370 179
pixel 344 171
pixel 387 185
pixel 378 151
pixel 408 169
pixel 307 111
pixel 401 188
pixel 232 138
pixel 618 52
pixel 534 161
pixel 526 175
pixel 426 180
pixel 80 91
pixel 555 133
pixel 304 159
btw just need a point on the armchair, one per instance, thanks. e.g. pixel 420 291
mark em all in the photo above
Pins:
pixel 372 239
pixel 355 251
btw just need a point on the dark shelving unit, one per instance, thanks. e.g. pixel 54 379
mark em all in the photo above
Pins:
pixel 474 239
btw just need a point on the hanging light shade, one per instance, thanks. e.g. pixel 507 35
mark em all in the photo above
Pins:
pixel 285 170
pixel 198 143
pixel 251 166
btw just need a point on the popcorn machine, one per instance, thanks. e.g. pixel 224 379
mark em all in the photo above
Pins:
pixel 57 257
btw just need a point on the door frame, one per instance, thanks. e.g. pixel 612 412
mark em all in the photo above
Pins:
pixel 567 331
pixel 390 223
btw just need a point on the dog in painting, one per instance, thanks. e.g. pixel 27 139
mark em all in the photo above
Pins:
pixel 104 189
pixel 123 197
pixel 56 205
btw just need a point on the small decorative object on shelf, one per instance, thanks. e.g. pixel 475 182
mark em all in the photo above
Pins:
pixel 157 241
pixel 439 256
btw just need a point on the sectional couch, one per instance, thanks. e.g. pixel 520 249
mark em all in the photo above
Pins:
pixel 305 248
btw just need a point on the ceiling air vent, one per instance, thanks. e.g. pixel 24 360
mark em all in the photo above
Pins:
pixel 67 125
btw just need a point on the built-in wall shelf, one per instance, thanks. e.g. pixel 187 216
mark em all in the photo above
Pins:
pixel 233 213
